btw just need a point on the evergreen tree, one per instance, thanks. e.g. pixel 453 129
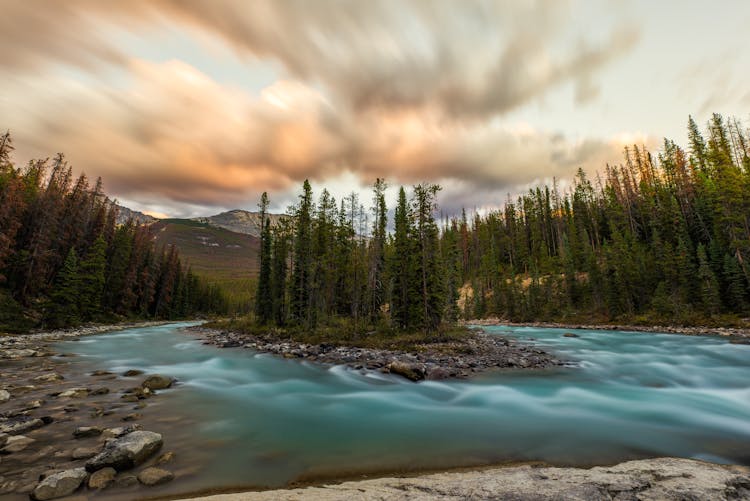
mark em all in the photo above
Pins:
pixel 92 276
pixel 263 298
pixel 63 310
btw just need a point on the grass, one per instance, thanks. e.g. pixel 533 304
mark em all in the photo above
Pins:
pixel 343 332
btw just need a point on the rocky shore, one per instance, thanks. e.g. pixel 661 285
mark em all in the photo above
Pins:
pixel 63 431
pixel 663 479
pixel 738 333
pixel 475 354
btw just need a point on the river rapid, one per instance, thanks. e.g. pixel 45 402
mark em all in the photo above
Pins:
pixel 245 419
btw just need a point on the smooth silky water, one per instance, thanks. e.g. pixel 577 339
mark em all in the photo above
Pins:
pixel 257 420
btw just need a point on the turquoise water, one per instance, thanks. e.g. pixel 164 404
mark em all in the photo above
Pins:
pixel 259 420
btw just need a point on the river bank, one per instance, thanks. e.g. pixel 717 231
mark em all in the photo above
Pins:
pixel 650 479
pixel 666 329
pixel 463 358
pixel 62 427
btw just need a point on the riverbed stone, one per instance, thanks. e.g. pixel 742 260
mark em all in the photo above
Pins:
pixel 165 458
pixel 570 334
pixel 49 378
pixel 412 372
pixel 157 382
pixel 60 484
pixel 4 396
pixel 87 431
pixel 20 425
pixel 132 373
pixel 16 443
pixel 127 451
pixel 84 453
pixel 75 393
pixel 101 479
pixel 155 476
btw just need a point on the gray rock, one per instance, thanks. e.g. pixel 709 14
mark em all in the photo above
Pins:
pixel 157 382
pixel 155 476
pixel 60 484
pixel 16 443
pixel 4 396
pixel 87 431
pixel 127 451
pixel 101 479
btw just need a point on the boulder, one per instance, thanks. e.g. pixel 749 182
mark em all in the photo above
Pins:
pixel 155 476
pixel 127 451
pixel 157 382
pixel 413 372
pixel 87 431
pixel 4 396
pixel 60 484
pixel 101 479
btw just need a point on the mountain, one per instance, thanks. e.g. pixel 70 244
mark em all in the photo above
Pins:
pixel 225 257
pixel 239 221
pixel 124 215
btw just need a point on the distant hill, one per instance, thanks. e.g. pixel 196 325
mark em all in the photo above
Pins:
pixel 124 215
pixel 226 257
pixel 239 221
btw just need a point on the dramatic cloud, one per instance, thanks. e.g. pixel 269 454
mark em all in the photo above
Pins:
pixel 409 91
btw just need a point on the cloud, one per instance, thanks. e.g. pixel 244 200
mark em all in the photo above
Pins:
pixel 409 91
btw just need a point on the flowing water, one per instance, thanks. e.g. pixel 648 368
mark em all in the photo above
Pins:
pixel 258 420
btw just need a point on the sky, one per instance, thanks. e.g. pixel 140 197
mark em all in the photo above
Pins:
pixel 189 108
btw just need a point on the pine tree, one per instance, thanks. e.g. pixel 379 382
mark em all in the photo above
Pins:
pixel 401 266
pixel 63 309
pixel 709 286
pixel 263 299
pixel 92 276
pixel 300 294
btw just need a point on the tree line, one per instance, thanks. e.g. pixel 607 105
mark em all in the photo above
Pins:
pixel 65 260
pixel 661 237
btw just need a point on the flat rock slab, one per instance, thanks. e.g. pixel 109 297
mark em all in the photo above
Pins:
pixel 127 451
pixel 652 479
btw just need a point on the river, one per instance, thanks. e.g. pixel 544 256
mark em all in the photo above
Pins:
pixel 254 420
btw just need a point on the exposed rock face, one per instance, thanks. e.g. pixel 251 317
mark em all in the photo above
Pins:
pixel 157 382
pixel 127 451
pixel 101 479
pixel 60 484
pixel 155 476
pixel 667 479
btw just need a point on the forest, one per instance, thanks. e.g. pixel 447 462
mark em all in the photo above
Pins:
pixel 64 260
pixel 662 237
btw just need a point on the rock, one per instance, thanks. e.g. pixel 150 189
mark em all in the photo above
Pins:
pixel 570 334
pixel 60 484
pixel 120 431
pixel 437 373
pixel 413 372
pixel 155 476
pixel 84 453
pixel 132 372
pixel 101 479
pixel 4 396
pixel 75 393
pixel 34 404
pixel 131 417
pixel 100 391
pixel 21 425
pixel 16 354
pixel 126 480
pixel 127 451
pixel 157 382
pixel 87 431
pixel 48 378
pixel 165 458
pixel 101 373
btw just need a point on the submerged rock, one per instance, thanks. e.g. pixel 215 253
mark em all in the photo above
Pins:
pixel 132 372
pixel 75 393
pixel 155 476
pixel 157 382
pixel 570 334
pixel 84 453
pixel 101 479
pixel 87 431
pixel 60 484
pixel 16 443
pixel 21 425
pixel 49 377
pixel 127 451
